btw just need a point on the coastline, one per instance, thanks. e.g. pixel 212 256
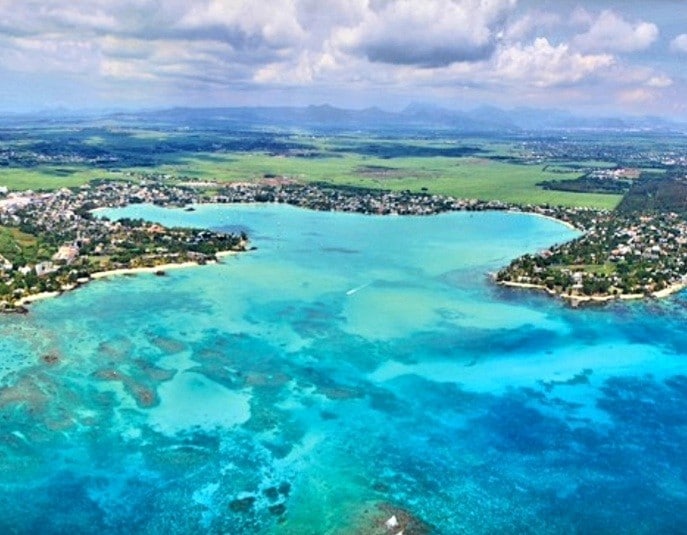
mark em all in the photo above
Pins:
pixel 30 299
pixel 670 290
pixel 576 300
pixel 27 300
pixel 573 300
pixel 161 267
pixel 137 270
pixel 223 254
pixel 549 217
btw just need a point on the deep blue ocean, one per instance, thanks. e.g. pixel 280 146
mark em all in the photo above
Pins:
pixel 350 366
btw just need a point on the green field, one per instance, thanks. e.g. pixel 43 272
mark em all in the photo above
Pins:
pixel 477 178
pixel 485 169
pixel 50 177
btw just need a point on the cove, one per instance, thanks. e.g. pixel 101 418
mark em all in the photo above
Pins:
pixel 349 362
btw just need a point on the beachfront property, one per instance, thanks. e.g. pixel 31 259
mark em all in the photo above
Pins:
pixel 66 254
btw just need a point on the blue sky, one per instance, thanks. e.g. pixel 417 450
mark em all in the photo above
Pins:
pixel 595 57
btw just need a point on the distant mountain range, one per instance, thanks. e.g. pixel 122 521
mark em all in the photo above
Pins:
pixel 418 116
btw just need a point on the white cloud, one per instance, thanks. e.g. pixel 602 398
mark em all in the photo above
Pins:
pixel 308 68
pixel 636 96
pixel 679 44
pixel 544 65
pixel 532 24
pixel 610 32
pixel 320 17
pixel 209 40
pixel 49 55
pixel 335 48
pixel 126 48
pixel 427 34
pixel 659 81
pixel 244 23
pixel 581 17
pixel 127 70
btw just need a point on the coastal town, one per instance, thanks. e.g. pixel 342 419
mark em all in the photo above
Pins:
pixel 616 256
pixel 619 257
pixel 66 245
pixel 382 202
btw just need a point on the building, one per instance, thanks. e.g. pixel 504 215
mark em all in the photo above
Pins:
pixel 66 253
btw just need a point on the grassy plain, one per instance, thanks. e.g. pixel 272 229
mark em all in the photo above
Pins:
pixel 486 169
pixel 50 177
pixel 469 177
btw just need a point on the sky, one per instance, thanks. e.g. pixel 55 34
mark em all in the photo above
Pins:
pixel 597 57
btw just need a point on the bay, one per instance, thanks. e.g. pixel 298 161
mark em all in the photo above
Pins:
pixel 349 363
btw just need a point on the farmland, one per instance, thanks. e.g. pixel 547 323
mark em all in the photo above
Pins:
pixel 512 168
pixel 467 177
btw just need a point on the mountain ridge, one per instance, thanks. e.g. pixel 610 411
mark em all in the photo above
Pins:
pixel 483 119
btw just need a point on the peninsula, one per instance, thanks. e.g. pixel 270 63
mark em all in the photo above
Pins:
pixel 617 258
pixel 637 251
pixel 60 244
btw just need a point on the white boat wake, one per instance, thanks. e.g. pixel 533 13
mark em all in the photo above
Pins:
pixel 357 289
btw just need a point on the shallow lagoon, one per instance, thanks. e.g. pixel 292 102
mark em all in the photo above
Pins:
pixel 350 361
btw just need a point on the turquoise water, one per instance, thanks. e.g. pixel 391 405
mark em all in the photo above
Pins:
pixel 349 361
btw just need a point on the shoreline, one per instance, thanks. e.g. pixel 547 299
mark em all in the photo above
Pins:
pixel 36 297
pixel 22 302
pixel 137 270
pixel 223 254
pixel 573 300
pixel 161 267
pixel 670 290
pixel 549 217
pixel 576 300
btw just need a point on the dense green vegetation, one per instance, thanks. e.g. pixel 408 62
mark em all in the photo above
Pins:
pixel 587 184
pixel 657 193
pixel 21 248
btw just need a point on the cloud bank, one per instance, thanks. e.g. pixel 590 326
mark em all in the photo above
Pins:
pixel 208 52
